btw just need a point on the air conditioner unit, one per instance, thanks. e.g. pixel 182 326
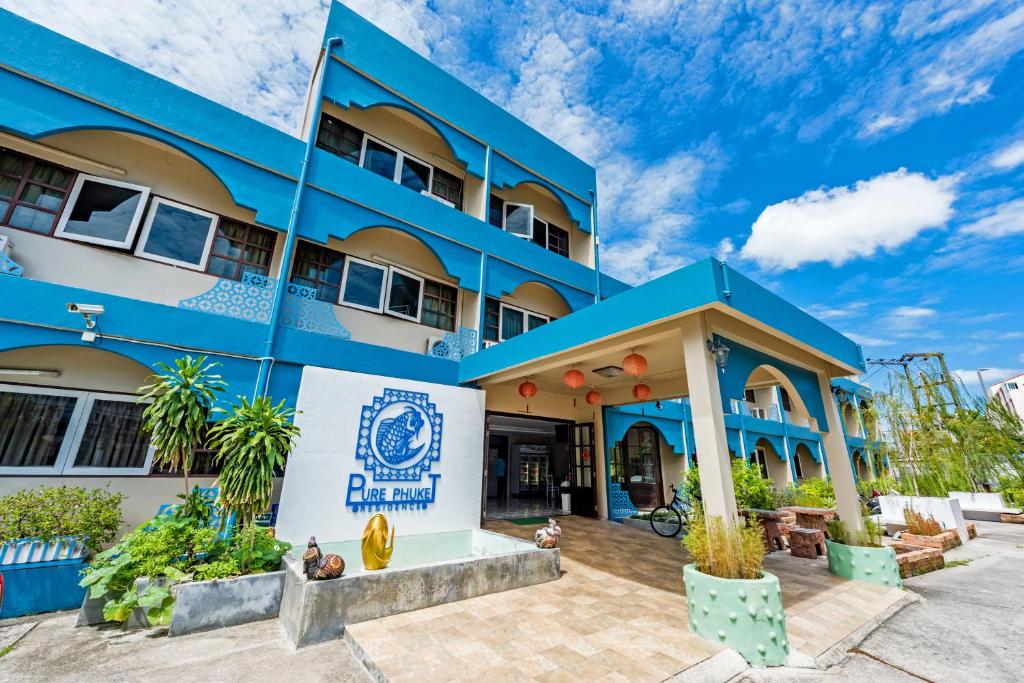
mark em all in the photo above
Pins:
pixel 432 342
pixel 489 343
pixel 5 245
pixel 759 413
pixel 427 193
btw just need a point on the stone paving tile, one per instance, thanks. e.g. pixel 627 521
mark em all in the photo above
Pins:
pixel 617 614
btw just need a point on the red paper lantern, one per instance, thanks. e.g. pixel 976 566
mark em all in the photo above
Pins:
pixel 641 392
pixel 527 390
pixel 594 397
pixel 574 379
pixel 634 364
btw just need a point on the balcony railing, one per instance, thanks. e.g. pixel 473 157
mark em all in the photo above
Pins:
pixel 749 409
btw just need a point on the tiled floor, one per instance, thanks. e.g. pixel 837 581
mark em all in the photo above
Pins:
pixel 522 507
pixel 616 614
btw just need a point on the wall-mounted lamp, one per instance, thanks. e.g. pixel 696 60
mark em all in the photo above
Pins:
pixel 720 351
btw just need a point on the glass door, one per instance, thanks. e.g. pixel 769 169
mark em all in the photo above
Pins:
pixel 583 501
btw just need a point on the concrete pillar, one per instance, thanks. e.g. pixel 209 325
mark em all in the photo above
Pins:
pixel 708 421
pixel 837 455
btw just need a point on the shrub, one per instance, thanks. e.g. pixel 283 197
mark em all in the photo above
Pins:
pixel 869 537
pixel 786 497
pixel 752 490
pixel 919 524
pixel 47 512
pixel 816 493
pixel 734 552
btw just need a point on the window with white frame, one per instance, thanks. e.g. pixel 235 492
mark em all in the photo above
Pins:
pixel 513 321
pixel 798 466
pixel 394 164
pixel 362 285
pixel 63 431
pixel 177 234
pixel 102 211
pixel 405 295
pixel 518 220
pixel 760 459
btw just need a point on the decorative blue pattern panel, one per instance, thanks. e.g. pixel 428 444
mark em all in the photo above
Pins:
pixel 9 267
pixel 620 505
pixel 301 310
pixel 456 345
pixel 251 299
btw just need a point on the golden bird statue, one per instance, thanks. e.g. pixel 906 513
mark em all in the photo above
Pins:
pixel 376 550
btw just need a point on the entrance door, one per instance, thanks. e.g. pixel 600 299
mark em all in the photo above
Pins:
pixel 583 501
pixel 639 466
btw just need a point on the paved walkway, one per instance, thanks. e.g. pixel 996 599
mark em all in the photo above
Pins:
pixel 616 614
pixel 967 627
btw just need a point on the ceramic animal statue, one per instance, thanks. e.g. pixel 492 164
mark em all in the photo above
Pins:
pixel 319 566
pixel 396 435
pixel 548 536
pixel 376 551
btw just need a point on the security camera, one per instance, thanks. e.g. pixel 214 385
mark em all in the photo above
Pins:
pixel 85 309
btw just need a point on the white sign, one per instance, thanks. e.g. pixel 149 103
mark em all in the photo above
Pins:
pixel 410 450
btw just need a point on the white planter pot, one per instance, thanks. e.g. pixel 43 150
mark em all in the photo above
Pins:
pixel 565 502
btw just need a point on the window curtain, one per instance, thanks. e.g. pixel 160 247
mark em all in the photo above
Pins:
pixel 113 436
pixel 511 323
pixel 32 428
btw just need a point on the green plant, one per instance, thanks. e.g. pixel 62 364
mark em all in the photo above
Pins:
pixel 869 537
pixel 949 564
pixel 728 552
pixel 47 512
pixel 919 524
pixel 221 568
pixel 163 550
pixel 751 489
pixel 250 443
pixel 786 497
pixel 816 493
pixel 180 400
pixel 258 551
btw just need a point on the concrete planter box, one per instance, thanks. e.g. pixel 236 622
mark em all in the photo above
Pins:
pixel 945 541
pixel 204 605
pixel 874 565
pixel 317 611
pixel 914 560
pixel 208 605
pixel 744 614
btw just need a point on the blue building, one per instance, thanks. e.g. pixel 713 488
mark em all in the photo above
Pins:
pixel 417 241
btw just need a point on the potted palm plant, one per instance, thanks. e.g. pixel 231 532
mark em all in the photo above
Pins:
pixel 731 600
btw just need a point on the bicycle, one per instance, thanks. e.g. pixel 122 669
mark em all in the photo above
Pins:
pixel 671 516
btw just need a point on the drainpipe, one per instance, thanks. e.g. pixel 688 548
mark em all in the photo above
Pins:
pixel 263 377
pixel 597 247
pixel 483 254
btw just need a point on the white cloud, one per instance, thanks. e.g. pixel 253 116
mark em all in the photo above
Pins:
pixel 254 57
pixel 868 340
pixel 644 215
pixel 840 224
pixel 1009 157
pixel 725 249
pixel 411 21
pixel 1003 220
pixel 844 312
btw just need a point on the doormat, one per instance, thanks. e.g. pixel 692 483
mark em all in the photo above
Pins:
pixel 527 521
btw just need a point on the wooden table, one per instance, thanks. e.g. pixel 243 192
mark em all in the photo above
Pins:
pixel 769 522
pixel 813 518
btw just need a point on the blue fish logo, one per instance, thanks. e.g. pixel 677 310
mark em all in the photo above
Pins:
pixel 396 436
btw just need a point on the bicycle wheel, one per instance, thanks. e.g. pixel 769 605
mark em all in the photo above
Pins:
pixel 666 521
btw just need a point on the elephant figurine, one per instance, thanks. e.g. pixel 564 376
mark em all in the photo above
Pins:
pixel 318 566
pixel 376 550
pixel 548 536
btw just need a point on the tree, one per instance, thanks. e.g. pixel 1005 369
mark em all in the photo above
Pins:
pixel 180 401
pixel 250 443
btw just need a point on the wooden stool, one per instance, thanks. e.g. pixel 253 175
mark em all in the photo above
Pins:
pixel 807 543
pixel 785 529
pixel 770 532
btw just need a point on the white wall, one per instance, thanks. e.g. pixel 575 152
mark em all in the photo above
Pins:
pixel 319 472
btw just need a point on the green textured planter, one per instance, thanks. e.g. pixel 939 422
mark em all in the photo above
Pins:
pixel 874 565
pixel 744 614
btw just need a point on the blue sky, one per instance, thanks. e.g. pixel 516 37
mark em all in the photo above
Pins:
pixel 864 160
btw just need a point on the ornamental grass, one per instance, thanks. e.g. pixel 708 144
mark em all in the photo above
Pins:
pixel 728 552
